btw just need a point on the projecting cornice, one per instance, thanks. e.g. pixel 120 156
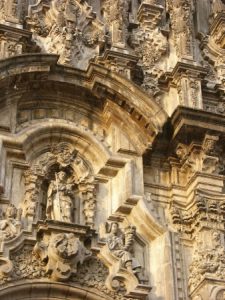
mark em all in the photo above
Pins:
pixel 106 86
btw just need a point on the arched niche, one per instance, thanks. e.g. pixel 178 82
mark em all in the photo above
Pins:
pixel 49 291
pixel 36 87
pixel 59 186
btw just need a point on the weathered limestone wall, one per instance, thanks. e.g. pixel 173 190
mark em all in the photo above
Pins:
pixel 112 149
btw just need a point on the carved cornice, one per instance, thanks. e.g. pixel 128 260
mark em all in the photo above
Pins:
pixel 149 14
pixel 96 79
pixel 193 118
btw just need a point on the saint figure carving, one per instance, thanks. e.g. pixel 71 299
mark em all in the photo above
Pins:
pixel 11 225
pixel 120 244
pixel 60 199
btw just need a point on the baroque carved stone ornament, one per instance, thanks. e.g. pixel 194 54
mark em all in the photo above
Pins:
pixel 118 254
pixel 68 28
pixel 112 111
pixel 10 224
pixel 61 255
pixel 67 181
pixel 120 244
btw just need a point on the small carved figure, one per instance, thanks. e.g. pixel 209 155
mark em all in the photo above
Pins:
pixel 60 199
pixel 11 225
pixel 89 211
pixel 120 244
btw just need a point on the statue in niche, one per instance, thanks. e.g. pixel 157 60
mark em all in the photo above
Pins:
pixel 10 226
pixel 60 198
pixel 120 244
pixel 64 154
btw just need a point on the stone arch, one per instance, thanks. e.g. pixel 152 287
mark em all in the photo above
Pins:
pixel 217 293
pixel 49 291
pixel 37 139
pixel 118 101
pixel 118 97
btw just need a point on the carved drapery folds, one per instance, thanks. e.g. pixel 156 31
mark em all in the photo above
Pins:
pixel 63 253
pixel 6 268
pixel 60 198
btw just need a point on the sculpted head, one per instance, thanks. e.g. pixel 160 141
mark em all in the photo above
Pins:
pixel 61 175
pixel 114 227
pixel 216 236
pixel 11 211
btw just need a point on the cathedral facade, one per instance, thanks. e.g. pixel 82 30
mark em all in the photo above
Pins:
pixel 112 149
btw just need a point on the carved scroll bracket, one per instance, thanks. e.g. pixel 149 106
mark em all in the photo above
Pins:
pixel 61 254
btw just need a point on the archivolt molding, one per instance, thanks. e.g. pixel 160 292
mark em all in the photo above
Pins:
pixel 102 82
pixel 34 137
pixel 48 291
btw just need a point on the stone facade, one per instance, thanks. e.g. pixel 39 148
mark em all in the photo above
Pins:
pixel 112 156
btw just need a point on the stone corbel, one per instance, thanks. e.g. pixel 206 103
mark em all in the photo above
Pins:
pixel 196 157
pixel 189 161
pixel 187 79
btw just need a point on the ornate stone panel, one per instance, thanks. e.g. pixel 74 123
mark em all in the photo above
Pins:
pixel 112 149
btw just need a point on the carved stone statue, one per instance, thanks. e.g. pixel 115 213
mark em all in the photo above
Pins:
pixel 11 225
pixel 120 244
pixel 60 199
